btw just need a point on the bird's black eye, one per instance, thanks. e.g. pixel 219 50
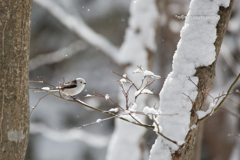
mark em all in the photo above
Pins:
pixel 80 82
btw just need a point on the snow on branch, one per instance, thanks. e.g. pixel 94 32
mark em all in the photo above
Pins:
pixel 78 26
pixel 58 55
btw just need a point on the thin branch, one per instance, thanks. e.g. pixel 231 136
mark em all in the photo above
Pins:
pixel 219 105
pixel 100 95
pixel 163 135
pixel 126 79
pixel 85 125
pixel 38 102
pixel 229 90
pixel 188 97
pixel 199 88
pixel 39 77
pixel 149 127
pixel 57 56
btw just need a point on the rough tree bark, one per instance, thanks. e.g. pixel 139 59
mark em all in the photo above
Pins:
pixel 206 76
pixel 14 99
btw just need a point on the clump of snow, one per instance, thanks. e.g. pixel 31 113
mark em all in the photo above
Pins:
pixel 123 80
pixel 124 76
pixel 46 88
pixel 157 127
pixel 148 73
pixel 134 106
pixel 137 92
pixel 148 110
pixel 237 90
pixel 143 91
pixel 137 71
pixel 193 126
pixel 202 114
pixel 113 110
pixel 107 96
pixel 156 76
pixel 151 74
pixel 88 95
pixel 98 120
pixel 127 111
pixel 146 91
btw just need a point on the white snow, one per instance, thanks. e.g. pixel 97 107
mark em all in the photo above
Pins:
pixel 46 88
pixel 127 111
pixel 146 91
pixel 157 127
pixel 193 126
pixel 202 114
pixel 98 120
pixel 195 49
pixel 143 91
pixel 113 110
pixel 156 76
pixel 88 95
pixel 151 74
pixel 107 96
pixel 134 106
pixel 124 75
pixel 148 73
pixel 148 110
pixel 137 92
pixel 138 71
pixel 123 80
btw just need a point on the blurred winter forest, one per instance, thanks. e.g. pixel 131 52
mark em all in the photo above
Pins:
pixel 84 38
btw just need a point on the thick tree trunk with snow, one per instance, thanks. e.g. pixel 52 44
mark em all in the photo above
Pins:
pixel 193 64
pixel 206 75
pixel 14 99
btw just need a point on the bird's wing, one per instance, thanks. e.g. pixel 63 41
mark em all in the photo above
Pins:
pixel 71 84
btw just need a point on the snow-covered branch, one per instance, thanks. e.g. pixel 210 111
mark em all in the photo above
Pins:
pixel 79 27
pixel 57 56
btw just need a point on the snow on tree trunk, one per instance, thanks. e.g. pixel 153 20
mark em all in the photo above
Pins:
pixel 195 57
pixel 139 42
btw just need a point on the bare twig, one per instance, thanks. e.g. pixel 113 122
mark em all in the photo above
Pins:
pixel 229 90
pixel 219 105
pixel 126 79
pixel 58 55
pixel 38 102
pixel 95 122
pixel 188 97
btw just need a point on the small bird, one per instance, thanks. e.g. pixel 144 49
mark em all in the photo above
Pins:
pixel 74 87
pixel 70 89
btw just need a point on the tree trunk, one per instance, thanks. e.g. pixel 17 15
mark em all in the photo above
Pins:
pixel 14 99
pixel 206 76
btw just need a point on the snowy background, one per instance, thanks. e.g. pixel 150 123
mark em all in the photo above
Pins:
pixel 58 51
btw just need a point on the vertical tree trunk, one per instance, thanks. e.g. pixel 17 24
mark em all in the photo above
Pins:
pixel 206 76
pixel 14 100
